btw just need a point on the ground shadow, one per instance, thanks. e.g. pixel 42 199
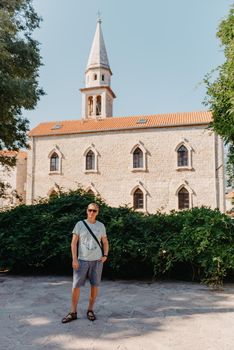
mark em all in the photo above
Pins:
pixel 32 308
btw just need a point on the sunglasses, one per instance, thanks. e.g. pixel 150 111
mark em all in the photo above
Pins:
pixel 92 210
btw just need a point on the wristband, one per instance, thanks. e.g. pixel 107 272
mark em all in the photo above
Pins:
pixel 106 256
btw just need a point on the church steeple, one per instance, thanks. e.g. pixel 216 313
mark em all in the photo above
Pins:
pixel 98 55
pixel 97 96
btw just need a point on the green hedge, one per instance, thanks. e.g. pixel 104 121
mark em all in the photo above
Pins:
pixel 196 244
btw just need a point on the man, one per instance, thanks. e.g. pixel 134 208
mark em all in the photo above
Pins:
pixel 90 260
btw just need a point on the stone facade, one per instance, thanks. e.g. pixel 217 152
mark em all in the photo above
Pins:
pixel 115 179
pixel 16 179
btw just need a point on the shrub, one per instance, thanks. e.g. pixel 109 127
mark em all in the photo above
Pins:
pixel 37 239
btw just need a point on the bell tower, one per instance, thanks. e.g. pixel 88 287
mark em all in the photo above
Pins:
pixel 97 95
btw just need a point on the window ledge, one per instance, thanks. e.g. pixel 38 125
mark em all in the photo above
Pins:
pixel 55 172
pixel 141 210
pixel 182 168
pixel 136 170
pixel 92 171
pixel 184 209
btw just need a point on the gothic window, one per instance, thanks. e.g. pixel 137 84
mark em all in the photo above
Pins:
pixel 90 105
pixel 183 199
pixel 138 199
pixel 54 162
pixel 90 192
pixel 182 156
pixel 99 105
pixel 90 161
pixel 53 193
pixel 137 158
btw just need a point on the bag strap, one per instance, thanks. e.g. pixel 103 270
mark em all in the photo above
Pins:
pixel 91 232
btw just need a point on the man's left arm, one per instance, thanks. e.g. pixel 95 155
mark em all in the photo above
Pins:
pixel 105 244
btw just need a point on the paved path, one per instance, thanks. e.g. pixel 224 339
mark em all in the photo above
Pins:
pixel 131 316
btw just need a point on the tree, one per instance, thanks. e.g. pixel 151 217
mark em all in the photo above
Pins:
pixel 19 64
pixel 220 91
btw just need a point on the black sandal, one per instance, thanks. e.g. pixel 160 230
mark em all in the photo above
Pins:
pixel 91 316
pixel 70 317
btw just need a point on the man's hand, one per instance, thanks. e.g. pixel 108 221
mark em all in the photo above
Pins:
pixel 103 259
pixel 75 264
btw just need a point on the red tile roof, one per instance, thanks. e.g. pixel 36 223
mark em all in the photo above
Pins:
pixel 230 195
pixel 22 154
pixel 19 154
pixel 122 123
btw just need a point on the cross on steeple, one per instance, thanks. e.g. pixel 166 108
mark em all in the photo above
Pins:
pixel 99 17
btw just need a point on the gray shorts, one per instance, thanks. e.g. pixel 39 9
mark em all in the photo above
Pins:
pixel 87 269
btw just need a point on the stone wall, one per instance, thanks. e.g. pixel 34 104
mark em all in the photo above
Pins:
pixel 115 178
pixel 15 177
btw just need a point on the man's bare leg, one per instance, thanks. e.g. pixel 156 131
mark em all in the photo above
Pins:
pixel 92 297
pixel 75 299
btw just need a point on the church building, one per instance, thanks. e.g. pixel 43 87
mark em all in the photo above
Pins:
pixel 151 162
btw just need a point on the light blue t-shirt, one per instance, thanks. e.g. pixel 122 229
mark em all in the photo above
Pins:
pixel 88 248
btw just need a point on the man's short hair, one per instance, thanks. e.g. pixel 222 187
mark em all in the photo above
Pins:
pixel 95 205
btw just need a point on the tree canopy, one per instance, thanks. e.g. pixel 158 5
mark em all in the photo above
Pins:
pixel 19 64
pixel 19 68
pixel 220 90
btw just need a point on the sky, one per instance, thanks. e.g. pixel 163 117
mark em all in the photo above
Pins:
pixel 159 53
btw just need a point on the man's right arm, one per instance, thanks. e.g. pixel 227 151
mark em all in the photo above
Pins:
pixel 75 263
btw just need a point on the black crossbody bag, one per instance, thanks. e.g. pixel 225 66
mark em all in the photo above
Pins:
pixel 94 237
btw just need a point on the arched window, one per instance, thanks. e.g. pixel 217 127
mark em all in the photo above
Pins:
pixel 99 105
pixel 54 162
pixel 182 156
pixel 90 161
pixel 138 199
pixel 90 192
pixel 183 199
pixel 53 193
pixel 137 158
pixel 95 77
pixel 90 105
pixel 103 77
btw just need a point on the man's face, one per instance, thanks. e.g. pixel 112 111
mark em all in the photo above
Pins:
pixel 92 211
